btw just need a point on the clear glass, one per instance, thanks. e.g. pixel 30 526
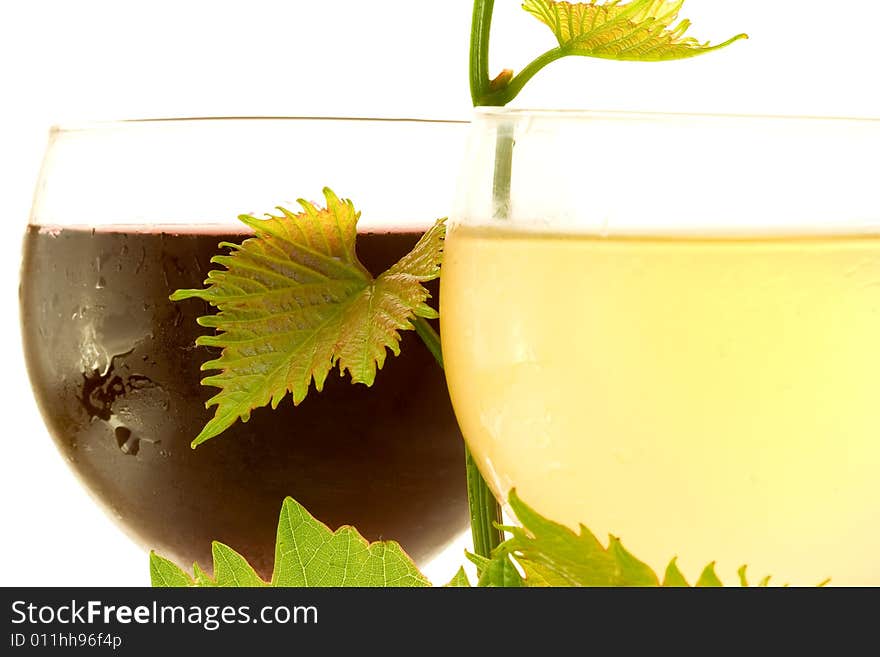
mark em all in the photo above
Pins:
pixel 666 327
pixel 124 214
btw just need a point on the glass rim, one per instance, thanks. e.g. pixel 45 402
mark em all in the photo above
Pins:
pixel 109 124
pixel 209 169
pixel 651 174
pixel 501 113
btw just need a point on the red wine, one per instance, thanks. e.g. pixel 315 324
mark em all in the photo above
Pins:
pixel 116 374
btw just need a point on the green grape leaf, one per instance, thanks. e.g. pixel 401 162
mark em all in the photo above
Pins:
pixel 166 574
pixel 460 580
pixel 743 578
pixel 479 561
pixel 673 577
pixel 708 578
pixel 294 301
pixel 551 554
pixel 539 553
pixel 230 569
pixel 632 571
pixel 202 579
pixel 640 30
pixel 307 553
pixel 500 573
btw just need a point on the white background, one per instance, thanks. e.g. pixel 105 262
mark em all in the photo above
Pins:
pixel 85 60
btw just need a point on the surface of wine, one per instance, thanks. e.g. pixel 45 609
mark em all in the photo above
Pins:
pixel 114 367
pixel 715 399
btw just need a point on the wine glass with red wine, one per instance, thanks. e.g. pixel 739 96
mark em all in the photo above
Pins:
pixel 127 212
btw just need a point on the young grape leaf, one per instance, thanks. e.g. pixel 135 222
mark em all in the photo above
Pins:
pixel 640 30
pixel 460 580
pixel 307 553
pixel 294 301
pixel 551 554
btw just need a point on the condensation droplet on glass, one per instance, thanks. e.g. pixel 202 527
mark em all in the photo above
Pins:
pixel 128 443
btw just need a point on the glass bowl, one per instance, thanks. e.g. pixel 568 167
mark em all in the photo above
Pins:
pixel 127 212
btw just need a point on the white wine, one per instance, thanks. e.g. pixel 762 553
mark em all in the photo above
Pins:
pixel 712 398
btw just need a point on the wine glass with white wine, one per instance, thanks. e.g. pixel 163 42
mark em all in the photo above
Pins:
pixel 667 327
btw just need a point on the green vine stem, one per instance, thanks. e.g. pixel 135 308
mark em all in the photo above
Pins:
pixel 499 91
pixel 503 174
pixel 479 60
pixel 484 510
pixel 507 92
pixel 487 92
